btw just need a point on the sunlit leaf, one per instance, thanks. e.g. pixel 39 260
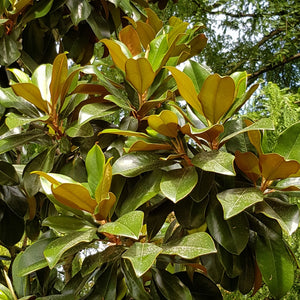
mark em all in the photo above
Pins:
pixel 177 184
pixel 103 186
pixel 148 146
pixel 59 76
pixel 75 196
pixel 249 164
pixel 104 207
pixel 41 77
pixel 55 249
pixel 146 33
pixel 129 225
pixel 274 166
pixel 215 161
pixel 116 53
pixel 186 89
pixel 166 123
pixel 124 132
pixel 216 96
pixel 130 38
pixel 153 20
pixel 142 256
pixel 286 214
pixel 32 94
pixel 95 164
pixel 139 73
pixel 191 246
pixel 237 200
pixel 158 49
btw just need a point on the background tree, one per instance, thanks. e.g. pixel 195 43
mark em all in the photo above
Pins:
pixel 174 196
pixel 261 37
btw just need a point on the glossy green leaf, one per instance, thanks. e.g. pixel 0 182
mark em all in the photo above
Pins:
pixel 80 10
pixel 20 283
pixel 95 111
pixel 38 10
pixel 158 48
pixel 129 225
pixel 134 284
pixel 288 143
pixel 293 182
pixel 13 141
pixel 95 162
pixel 67 224
pixel 232 234
pixel 133 164
pixel 8 174
pixel 9 99
pixel 177 184
pixel 10 50
pixel 215 161
pixel 5 293
pixel 275 264
pixel 142 256
pixel 55 249
pixel 13 120
pixel 145 189
pixel 286 214
pixel 42 162
pixel 170 285
pixel 191 246
pixel 197 73
pixel 78 130
pixel 237 200
pixel 262 124
pixel 41 77
pixel 200 286
pixel 32 259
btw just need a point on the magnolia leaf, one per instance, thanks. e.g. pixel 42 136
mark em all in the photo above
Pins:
pixel 232 234
pixel 41 77
pixel 191 246
pixel 240 81
pixel 103 187
pixel 13 120
pixel 124 132
pixel 8 174
pixel 274 166
pixel 197 73
pixel 216 96
pixel 104 207
pixel 67 224
pixel 20 75
pixel 148 146
pixel 139 73
pixel 286 214
pixel 117 55
pixel 90 88
pixel 288 143
pixel 55 249
pixel 289 183
pixel 237 200
pixel 158 50
pixel 254 137
pixel 133 164
pixel 95 166
pixel 130 38
pixel 186 89
pixel 144 190
pixel 153 20
pixel 166 123
pixel 215 161
pixel 177 184
pixel 95 111
pixel 33 259
pixel 146 33
pixel 129 225
pixel 31 93
pixel 75 196
pixel 249 164
pixel 80 10
pixel 275 263
pixel 142 256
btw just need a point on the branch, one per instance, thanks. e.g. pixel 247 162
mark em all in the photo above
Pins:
pixel 259 44
pixel 271 67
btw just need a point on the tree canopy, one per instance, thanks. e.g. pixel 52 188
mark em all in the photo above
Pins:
pixel 124 175
pixel 261 37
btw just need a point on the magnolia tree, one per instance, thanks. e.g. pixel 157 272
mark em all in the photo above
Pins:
pixel 146 188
